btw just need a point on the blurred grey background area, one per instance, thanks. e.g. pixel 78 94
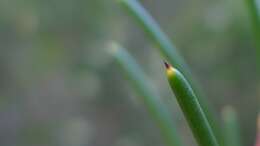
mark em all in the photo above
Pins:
pixel 60 87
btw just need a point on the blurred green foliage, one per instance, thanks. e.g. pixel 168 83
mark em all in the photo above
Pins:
pixel 59 87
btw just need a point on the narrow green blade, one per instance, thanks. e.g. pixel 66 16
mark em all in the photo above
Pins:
pixel 169 51
pixel 191 108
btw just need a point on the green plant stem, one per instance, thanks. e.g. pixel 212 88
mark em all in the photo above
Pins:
pixel 254 14
pixel 150 98
pixel 231 126
pixel 191 108
pixel 169 51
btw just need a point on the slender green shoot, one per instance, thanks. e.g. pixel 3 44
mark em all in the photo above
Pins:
pixel 231 127
pixel 169 51
pixel 191 108
pixel 254 14
pixel 150 98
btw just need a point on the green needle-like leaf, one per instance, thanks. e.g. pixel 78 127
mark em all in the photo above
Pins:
pixel 169 51
pixel 231 127
pixel 147 94
pixel 191 108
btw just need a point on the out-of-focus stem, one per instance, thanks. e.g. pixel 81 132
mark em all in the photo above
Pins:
pixel 147 94
pixel 231 127
pixel 254 14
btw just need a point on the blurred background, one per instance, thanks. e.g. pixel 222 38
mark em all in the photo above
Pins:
pixel 60 87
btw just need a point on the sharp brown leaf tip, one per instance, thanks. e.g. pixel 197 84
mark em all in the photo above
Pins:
pixel 166 65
